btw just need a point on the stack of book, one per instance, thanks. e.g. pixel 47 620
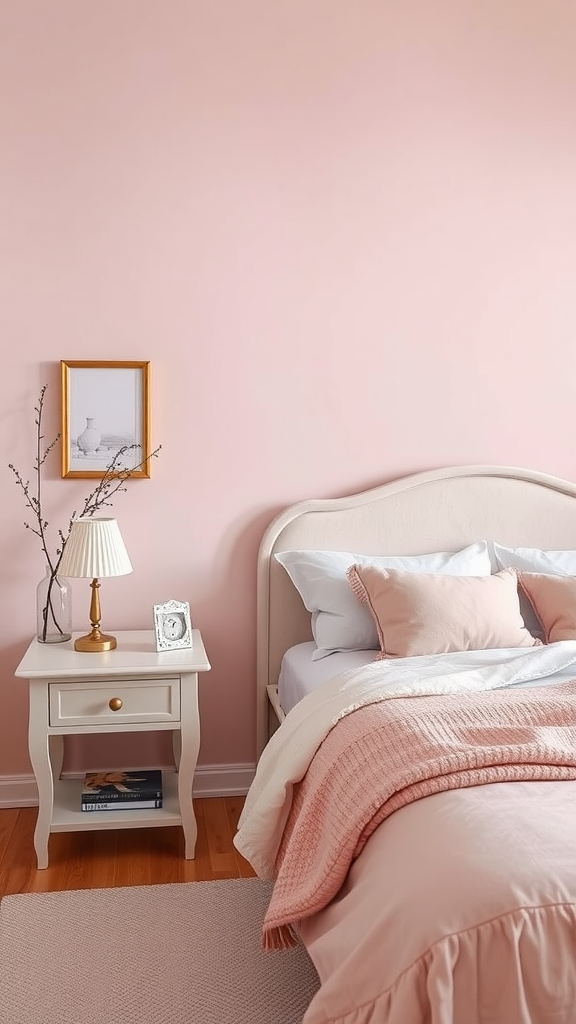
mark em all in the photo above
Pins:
pixel 120 791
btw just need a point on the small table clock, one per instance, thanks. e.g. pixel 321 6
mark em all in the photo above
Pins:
pixel 172 625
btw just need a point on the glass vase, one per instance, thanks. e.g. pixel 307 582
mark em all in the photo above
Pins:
pixel 53 609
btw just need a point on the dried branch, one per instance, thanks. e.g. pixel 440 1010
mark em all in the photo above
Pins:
pixel 113 481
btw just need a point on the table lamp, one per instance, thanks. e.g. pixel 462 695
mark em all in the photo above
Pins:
pixel 95 550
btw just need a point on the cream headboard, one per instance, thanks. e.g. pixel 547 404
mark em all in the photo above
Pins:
pixel 439 510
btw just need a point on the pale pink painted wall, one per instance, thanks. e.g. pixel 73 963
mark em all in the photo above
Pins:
pixel 343 232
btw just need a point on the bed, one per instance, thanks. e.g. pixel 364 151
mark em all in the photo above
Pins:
pixel 415 805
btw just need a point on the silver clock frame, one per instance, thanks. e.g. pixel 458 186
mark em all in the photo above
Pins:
pixel 164 611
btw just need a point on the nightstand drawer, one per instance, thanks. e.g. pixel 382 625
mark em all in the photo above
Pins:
pixel 121 701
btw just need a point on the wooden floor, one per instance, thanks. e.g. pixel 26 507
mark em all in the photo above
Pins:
pixel 136 856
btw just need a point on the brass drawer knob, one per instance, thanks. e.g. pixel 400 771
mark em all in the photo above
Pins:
pixel 115 704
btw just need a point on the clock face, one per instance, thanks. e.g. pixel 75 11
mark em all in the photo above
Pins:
pixel 174 626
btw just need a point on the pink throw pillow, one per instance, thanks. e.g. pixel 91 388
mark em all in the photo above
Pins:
pixel 422 613
pixel 553 599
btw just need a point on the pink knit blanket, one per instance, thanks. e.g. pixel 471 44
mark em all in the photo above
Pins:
pixel 386 755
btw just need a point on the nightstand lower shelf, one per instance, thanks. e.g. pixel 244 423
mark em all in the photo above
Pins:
pixel 67 815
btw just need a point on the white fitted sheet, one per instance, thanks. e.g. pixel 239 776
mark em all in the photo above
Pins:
pixel 299 675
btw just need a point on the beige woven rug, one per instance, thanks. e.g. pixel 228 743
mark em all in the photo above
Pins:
pixel 185 953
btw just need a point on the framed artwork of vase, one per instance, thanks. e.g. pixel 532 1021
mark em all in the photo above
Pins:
pixel 105 418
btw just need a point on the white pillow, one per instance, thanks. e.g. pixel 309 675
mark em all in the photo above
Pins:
pixel 555 563
pixel 339 622
pixel 552 563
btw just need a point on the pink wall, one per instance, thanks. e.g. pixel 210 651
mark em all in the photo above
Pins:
pixel 343 232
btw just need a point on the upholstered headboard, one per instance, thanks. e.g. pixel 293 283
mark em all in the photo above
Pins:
pixel 439 510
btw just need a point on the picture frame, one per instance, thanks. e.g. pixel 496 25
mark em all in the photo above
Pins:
pixel 172 626
pixel 105 408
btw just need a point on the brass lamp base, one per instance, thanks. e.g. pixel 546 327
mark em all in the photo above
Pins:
pixel 95 641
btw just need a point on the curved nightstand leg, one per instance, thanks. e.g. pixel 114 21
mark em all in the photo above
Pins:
pixel 177 746
pixel 189 747
pixel 56 755
pixel 39 750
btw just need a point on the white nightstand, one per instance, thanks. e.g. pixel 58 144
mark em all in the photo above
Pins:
pixel 71 693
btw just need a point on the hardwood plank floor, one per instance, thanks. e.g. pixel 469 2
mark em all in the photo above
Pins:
pixel 139 856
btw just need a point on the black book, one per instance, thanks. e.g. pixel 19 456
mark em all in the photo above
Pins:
pixel 123 789
pixel 121 805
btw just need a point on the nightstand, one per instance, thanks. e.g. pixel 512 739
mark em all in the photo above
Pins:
pixel 131 689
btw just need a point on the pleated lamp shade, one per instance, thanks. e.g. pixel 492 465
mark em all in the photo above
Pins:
pixel 95 549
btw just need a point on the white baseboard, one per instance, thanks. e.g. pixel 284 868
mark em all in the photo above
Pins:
pixel 18 791
pixel 210 780
pixel 223 779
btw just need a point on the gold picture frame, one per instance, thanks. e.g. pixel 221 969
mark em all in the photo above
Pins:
pixel 105 409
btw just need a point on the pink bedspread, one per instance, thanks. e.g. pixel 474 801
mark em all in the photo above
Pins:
pixel 459 910
pixel 384 756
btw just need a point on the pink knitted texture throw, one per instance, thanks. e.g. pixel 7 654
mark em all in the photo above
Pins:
pixel 386 755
